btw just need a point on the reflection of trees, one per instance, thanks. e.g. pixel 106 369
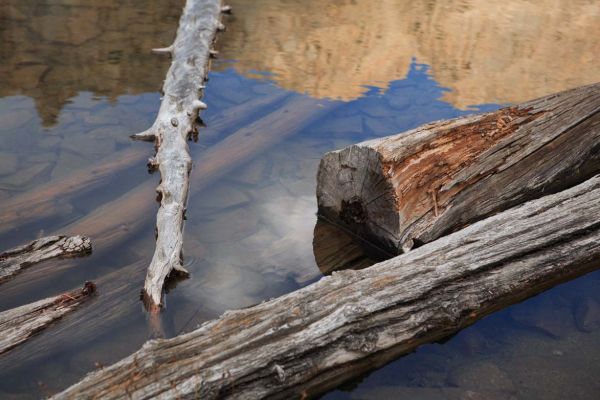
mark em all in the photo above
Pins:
pixel 484 51
pixel 50 50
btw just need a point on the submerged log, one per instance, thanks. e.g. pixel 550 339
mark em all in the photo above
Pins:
pixel 111 224
pixel 50 199
pixel 311 340
pixel 174 123
pixel 117 219
pixel 19 324
pixel 13 261
pixel 405 190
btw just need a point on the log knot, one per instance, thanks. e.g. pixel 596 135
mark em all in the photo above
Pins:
pixel 353 211
pixel 361 343
pixel 280 372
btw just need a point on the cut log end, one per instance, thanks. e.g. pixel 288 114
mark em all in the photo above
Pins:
pixel 352 189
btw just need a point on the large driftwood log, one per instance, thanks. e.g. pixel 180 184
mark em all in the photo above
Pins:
pixel 311 340
pixel 174 124
pixel 19 324
pixel 14 260
pixel 405 190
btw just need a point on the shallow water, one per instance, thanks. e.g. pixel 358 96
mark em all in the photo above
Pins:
pixel 78 78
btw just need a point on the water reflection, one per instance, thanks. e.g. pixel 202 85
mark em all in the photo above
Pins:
pixel 51 50
pixel 336 249
pixel 485 52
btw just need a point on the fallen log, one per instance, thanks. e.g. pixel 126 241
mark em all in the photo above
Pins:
pixel 311 340
pixel 174 124
pixel 405 190
pixel 15 260
pixel 19 324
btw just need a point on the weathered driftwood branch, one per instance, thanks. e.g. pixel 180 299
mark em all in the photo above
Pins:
pixel 312 339
pixel 14 260
pixel 175 122
pixel 19 324
pixel 405 190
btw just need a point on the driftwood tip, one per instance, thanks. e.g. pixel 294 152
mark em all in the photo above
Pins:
pixel 163 50
pixel 149 305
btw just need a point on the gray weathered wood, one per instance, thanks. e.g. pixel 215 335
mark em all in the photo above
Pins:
pixel 174 123
pixel 19 324
pixel 405 190
pixel 14 260
pixel 308 341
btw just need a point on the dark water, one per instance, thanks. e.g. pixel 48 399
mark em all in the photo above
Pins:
pixel 76 78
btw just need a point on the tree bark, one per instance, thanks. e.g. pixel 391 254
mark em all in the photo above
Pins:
pixel 19 324
pixel 308 341
pixel 405 190
pixel 15 260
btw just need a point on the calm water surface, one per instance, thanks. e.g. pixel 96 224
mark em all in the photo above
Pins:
pixel 77 77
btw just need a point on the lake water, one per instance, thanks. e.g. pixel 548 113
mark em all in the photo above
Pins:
pixel 77 78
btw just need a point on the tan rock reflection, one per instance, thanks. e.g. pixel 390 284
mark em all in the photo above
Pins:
pixel 484 51
pixel 50 50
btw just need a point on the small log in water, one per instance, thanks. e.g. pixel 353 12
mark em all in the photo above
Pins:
pixel 405 190
pixel 174 124
pixel 19 324
pixel 15 260
pixel 311 340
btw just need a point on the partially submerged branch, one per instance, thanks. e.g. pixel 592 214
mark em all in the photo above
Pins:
pixel 175 122
pixel 19 324
pixel 14 260
pixel 311 340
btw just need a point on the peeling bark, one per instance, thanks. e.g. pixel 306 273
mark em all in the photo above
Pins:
pixel 308 341
pixel 175 122
pixel 405 190
pixel 19 324
pixel 15 260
